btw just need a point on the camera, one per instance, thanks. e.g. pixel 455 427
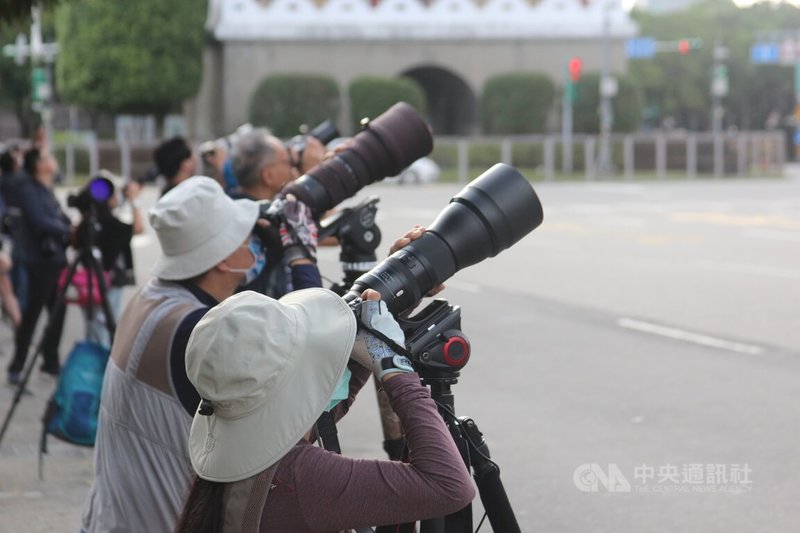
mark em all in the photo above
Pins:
pixel 383 147
pixel 489 215
pixel 324 132
pixel 98 191
pixel 226 143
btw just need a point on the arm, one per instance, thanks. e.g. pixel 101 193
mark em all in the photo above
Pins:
pixel 40 218
pixel 132 191
pixel 336 492
pixel 186 392
pixel 305 274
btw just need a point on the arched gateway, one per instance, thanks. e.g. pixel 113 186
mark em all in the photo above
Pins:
pixel 451 47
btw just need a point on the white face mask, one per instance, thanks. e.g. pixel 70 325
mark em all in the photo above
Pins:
pixel 259 261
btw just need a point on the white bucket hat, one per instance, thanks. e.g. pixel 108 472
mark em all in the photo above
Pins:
pixel 268 368
pixel 198 226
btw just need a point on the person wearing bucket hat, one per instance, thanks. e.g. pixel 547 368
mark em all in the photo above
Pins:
pixel 141 464
pixel 256 469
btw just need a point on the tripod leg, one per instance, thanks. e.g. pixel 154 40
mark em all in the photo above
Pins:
pixel 58 307
pixel 487 478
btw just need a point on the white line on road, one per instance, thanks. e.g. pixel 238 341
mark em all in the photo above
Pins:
pixel 689 336
pixel 7 495
pixel 772 235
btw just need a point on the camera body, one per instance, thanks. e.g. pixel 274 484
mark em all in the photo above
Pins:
pixel 97 192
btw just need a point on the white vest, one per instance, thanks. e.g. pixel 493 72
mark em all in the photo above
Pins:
pixel 141 461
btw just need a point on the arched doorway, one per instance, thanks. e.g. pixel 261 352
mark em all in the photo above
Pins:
pixel 452 107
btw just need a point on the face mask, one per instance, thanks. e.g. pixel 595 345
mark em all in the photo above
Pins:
pixel 342 390
pixel 259 261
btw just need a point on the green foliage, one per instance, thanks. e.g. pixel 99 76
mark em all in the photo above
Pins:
pixel 516 103
pixel 372 95
pixel 19 11
pixel 15 82
pixel 627 105
pixel 678 86
pixel 284 102
pixel 131 57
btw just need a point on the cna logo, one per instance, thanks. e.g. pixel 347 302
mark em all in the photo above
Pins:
pixel 590 477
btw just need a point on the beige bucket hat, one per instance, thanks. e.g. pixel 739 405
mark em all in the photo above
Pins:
pixel 198 225
pixel 268 369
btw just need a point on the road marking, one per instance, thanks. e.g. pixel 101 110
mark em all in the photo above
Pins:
pixel 7 495
pixel 772 235
pixel 688 336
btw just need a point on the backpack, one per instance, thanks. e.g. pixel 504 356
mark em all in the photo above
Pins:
pixel 71 414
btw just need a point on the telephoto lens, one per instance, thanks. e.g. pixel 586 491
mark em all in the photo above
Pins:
pixel 384 147
pixel 490 214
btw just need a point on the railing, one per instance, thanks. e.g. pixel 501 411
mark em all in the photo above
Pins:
pixel 657 155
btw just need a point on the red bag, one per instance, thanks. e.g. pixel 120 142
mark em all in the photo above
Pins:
pixel 78 291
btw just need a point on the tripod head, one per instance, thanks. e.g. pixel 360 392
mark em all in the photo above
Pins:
pixel 359 237
pixel 438 347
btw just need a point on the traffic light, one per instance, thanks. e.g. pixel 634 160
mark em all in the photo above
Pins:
pixel 574 67
pixel 687 45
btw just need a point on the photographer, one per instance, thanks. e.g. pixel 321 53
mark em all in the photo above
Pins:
pixel 251 439
pixel 263 167
pixel 141 456
pixel 43 233
pixel 175 161
pixel 113 239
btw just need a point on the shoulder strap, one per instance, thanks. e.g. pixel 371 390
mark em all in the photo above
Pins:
pixel 244 502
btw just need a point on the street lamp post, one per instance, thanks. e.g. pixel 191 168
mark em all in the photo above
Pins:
pixel 608 90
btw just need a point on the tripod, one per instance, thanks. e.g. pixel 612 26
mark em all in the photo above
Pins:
pixel 87 256
pixel 439 350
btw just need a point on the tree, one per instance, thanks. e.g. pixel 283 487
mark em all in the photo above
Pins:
pixel 372 95
pixel 15 80
pixel 516 103
pixel 678 86
pixel 129 57
pixel 285 101
pixel 627 105
pixel 19 11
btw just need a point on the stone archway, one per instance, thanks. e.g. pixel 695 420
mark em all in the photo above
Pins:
pixel 452 106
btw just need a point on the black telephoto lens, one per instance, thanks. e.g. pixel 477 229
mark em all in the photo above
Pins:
pixel 384 147
pixel 490 214
pixel 325 132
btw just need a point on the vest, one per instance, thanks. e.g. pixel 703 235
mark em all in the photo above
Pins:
pixel 141 461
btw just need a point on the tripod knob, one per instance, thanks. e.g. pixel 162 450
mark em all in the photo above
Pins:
pixel 456 351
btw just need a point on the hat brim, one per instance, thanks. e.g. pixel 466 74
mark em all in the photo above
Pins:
pixel 226 450
pixel 201 259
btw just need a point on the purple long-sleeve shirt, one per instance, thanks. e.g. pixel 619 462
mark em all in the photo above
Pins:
pixel 319 491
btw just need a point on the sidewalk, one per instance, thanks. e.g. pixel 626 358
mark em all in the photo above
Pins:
pixel 28 504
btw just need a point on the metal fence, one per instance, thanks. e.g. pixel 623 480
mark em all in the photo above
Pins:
pixel 658 155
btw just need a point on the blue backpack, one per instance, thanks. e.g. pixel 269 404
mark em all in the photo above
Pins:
pixel 72 411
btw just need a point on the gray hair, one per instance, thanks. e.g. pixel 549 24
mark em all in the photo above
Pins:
pixel 250 153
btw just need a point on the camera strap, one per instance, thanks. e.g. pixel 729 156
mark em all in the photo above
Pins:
pixel 326 428
pixel 396 348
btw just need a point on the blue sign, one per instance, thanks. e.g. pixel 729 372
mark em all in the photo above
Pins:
pixel 765 53
pixel 640 48
pixel 797 137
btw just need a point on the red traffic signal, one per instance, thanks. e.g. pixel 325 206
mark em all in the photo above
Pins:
pixel 684 46
pixel 574 67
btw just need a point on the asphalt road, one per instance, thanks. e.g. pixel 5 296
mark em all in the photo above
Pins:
pixel 647 331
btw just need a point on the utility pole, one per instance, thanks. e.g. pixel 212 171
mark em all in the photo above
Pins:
pixel 608 90
pixel 42 56
pixel 719 90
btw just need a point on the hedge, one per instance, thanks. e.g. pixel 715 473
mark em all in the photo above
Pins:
pixel 516 103
pixel 283 102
